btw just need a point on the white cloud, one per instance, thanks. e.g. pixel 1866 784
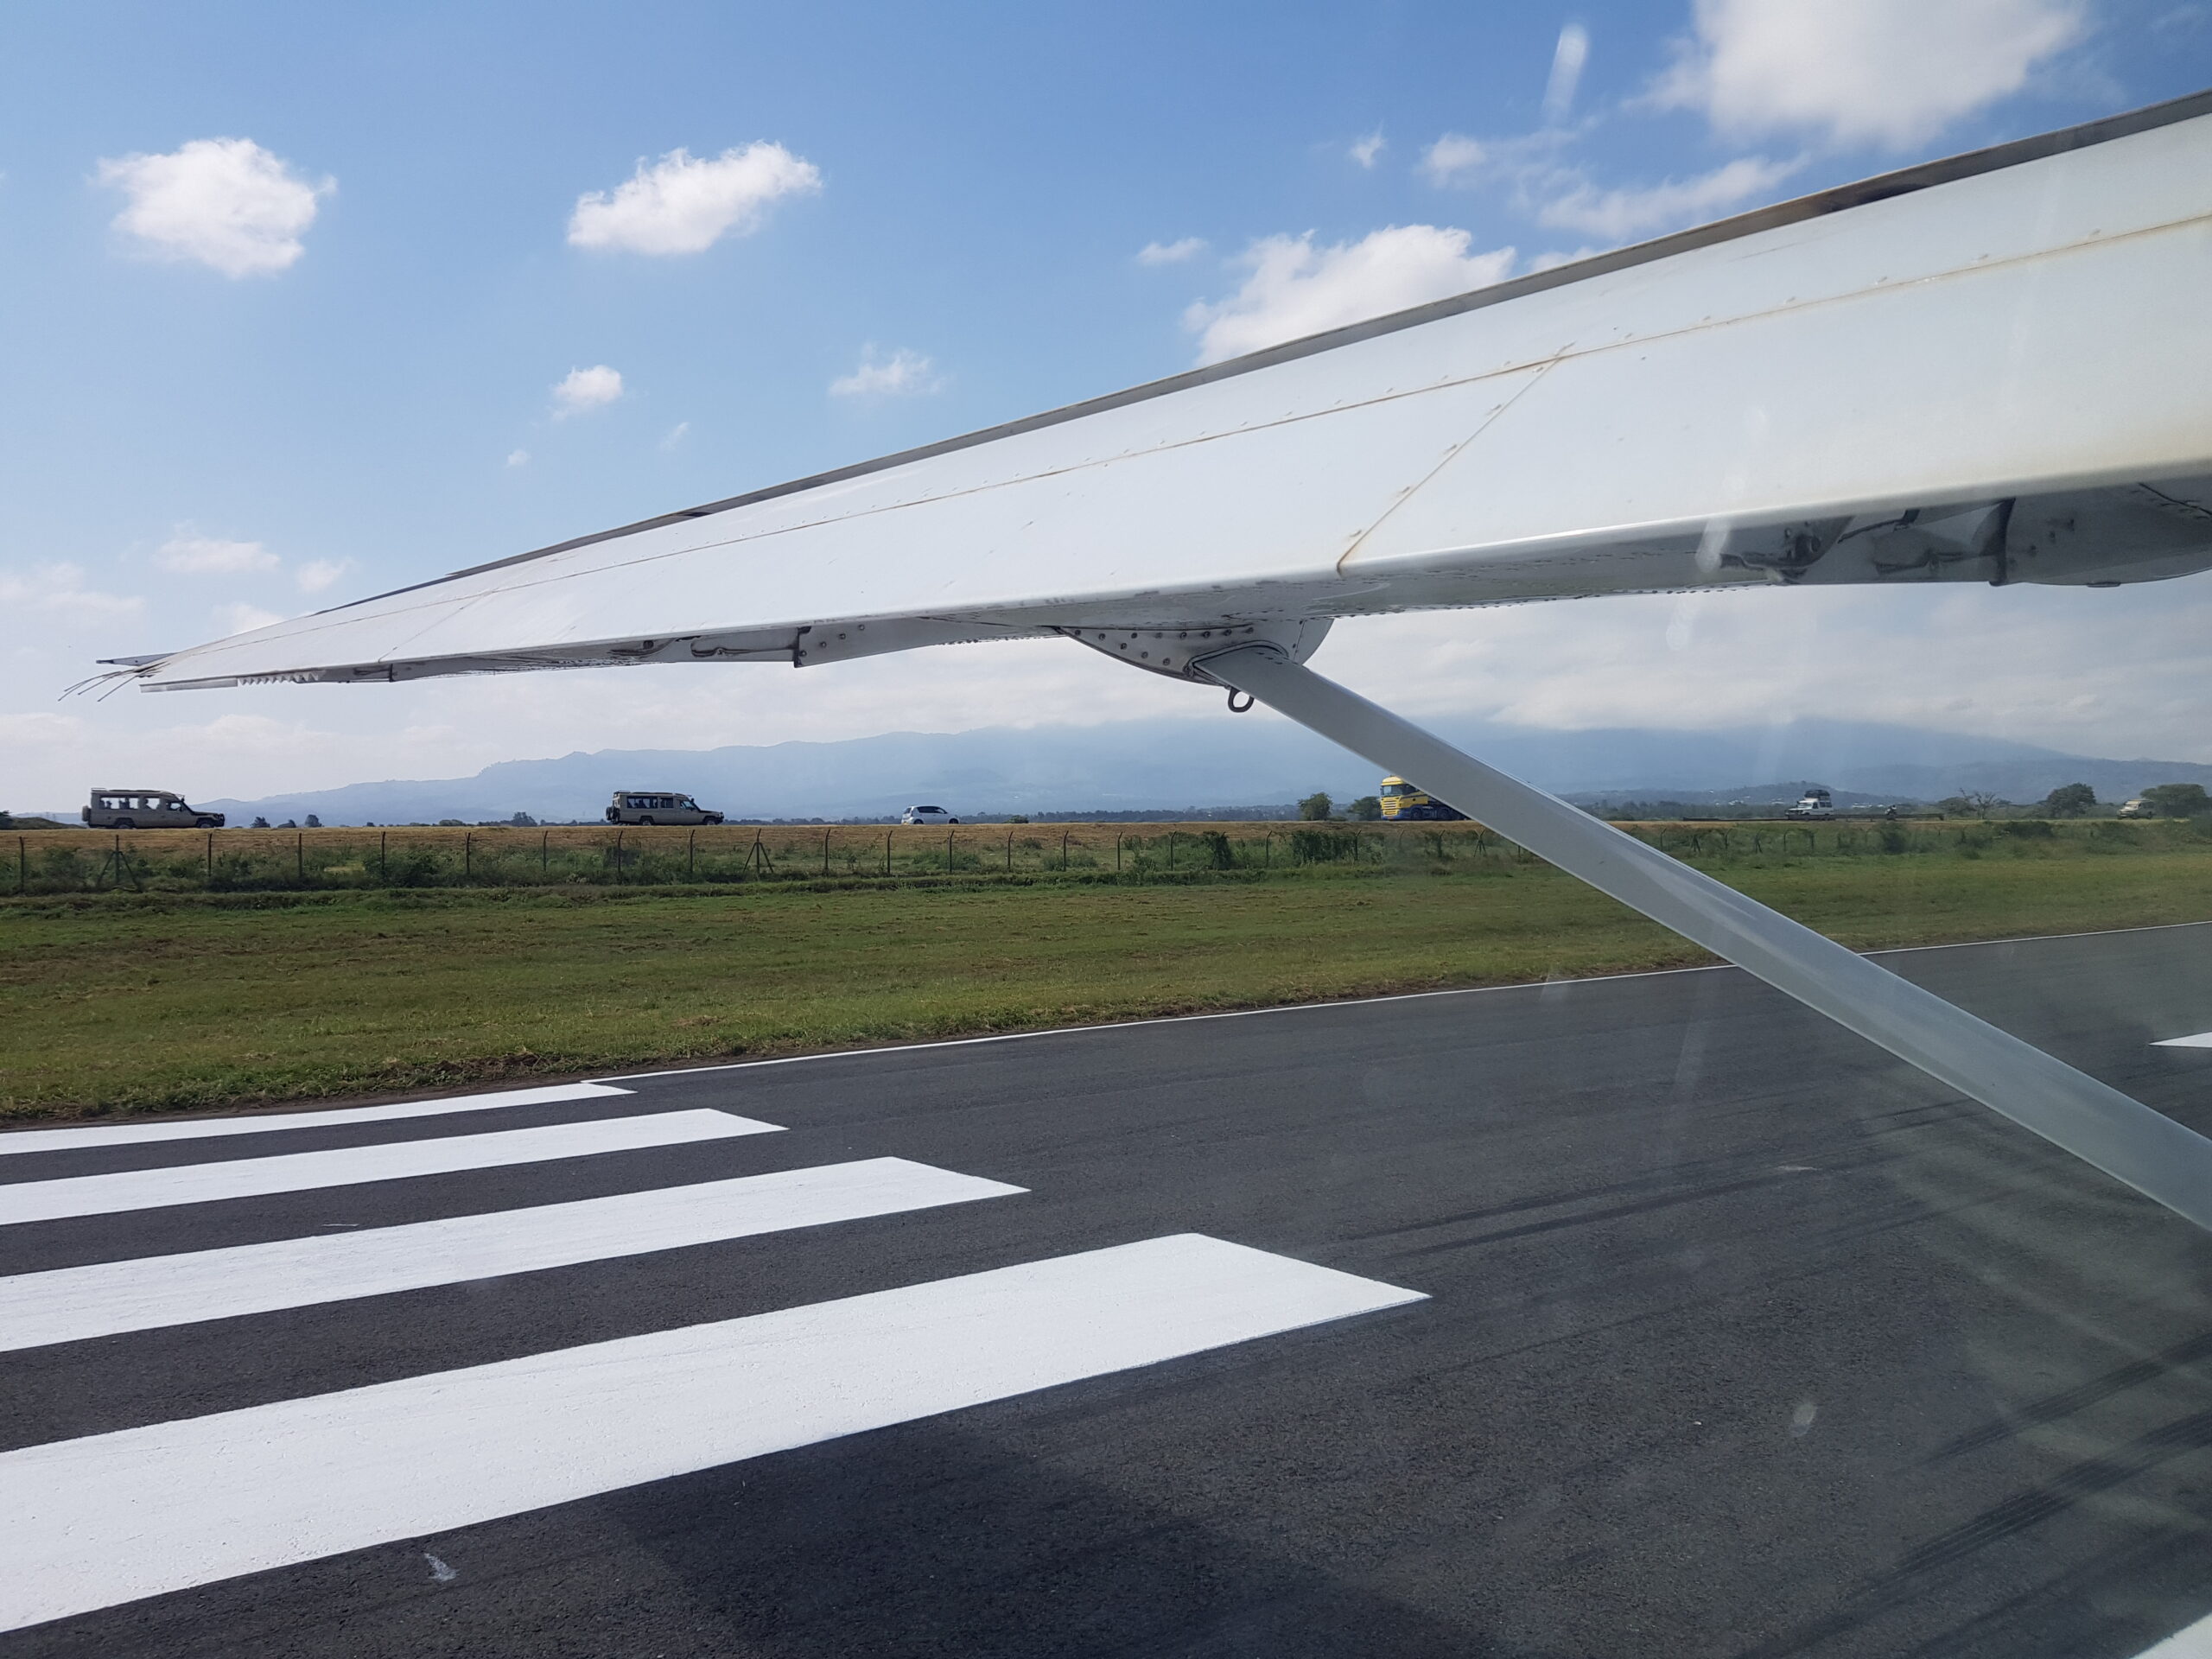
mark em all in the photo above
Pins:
pixel 1369 149
pixel 223 202
pixel 242 618
pixel 685 203
pixel 1171 253
pixel 1454 158
pixel 1567 59
pixel 583 389
pixel 518 457
pixel 675 435
pixel 1623 213
pixel 1891 72
pixel 1296 289
pixel 203 555
pixel 316 575
pixel 903 374
pixel 59 589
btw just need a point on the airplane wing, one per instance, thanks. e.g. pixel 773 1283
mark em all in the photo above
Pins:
pixel 1995 368
pixel 1991 368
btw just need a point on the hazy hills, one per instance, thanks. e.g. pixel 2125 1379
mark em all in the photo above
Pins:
pixel 1140 765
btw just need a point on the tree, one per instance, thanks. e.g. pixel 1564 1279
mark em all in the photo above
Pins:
pixel 2070 800
pixel 2177 800
pixel 261 824
pixel 1367 809
pixel 313 822
pixel 1316 807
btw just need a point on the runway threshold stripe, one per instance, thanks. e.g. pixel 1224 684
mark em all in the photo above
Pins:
pixel 2195 1642
pixel 93 1523
pixel 132 1134
pixel 105 1299
pixel 2202 1040
pixel 301 1172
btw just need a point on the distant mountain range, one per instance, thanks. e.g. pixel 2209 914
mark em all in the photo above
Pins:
pixel 1134 765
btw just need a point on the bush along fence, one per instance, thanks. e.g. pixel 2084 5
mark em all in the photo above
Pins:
pixel 251 861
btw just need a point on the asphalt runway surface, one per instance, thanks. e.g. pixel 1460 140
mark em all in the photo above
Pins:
pixel 1649 1315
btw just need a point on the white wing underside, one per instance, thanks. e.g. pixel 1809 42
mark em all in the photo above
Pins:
pixel 1994 369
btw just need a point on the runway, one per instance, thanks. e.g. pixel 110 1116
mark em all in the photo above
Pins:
pixel 1629 1316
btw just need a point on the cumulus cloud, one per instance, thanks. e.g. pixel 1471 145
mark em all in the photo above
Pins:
pixel 1890 73
pixel 203 555
pixel 1171 253
pixel 1368 150
pixel 223 202
pixel 1567 59
pixel 685 203
pixel 317 575
pixel 1454 159
pixel 902 374
pixel 583 389
pixel 242 618
pixel 1293 288
pixel 59 591
pixel 518 457
pixel 1623 213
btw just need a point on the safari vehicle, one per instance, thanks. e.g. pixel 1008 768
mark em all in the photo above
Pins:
pixel 657 806
pixel 1815 803
pixel 2137 808
pixel 144 809
pixel 1403 804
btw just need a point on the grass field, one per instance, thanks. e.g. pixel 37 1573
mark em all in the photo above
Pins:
pixel 147 1002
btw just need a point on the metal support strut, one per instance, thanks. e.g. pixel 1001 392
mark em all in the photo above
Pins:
pixel 2126 1139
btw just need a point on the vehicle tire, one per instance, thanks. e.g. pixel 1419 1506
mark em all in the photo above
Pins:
pixel 124 823
pixel 647 823
pixel 203 823
pixel 952 820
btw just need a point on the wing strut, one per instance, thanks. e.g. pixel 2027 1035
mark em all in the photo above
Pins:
pixel 2123 1137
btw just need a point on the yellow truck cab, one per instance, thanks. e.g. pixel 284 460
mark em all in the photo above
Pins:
pixel 1403 804
pixel 144 809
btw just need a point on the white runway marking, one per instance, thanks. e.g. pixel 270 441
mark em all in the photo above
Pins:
pixel 127 1134
pixel 74 1304
pixel 2195 1642
pixel 2202 1040
pixel 299 1172
pixel 111 1518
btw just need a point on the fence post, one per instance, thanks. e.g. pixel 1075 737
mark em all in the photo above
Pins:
pixel 300 858
pixel 619 834
pixel 1117 853
pixel 825 852
pixel 1268 852
pixel 467 855
pixel 544 854
pixel 208 875
pixel 1009 852
pixel 949 834
pixel 383 836
pixel 886 852
pixel 23 864
pixel 691 855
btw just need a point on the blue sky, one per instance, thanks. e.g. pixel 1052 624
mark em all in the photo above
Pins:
pixel 249 377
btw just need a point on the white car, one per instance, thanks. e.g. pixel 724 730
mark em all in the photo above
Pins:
pixel 926 815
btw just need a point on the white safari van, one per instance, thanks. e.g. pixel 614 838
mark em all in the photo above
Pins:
pixel 657 806
pixel 145 809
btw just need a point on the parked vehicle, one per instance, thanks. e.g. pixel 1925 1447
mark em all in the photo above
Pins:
pixel 2137 808
pixel 657 806
pixel 1402 802
pixel 926 815
pixel 1815 803
pixel 144 809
